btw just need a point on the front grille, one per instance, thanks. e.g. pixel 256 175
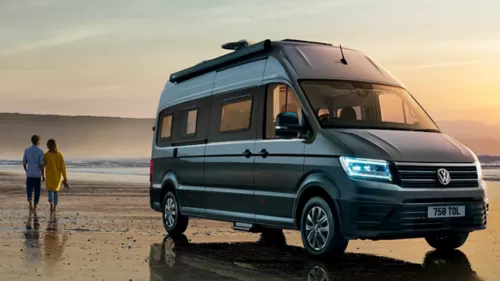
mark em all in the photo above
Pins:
pixel 425 175
pixel 413 216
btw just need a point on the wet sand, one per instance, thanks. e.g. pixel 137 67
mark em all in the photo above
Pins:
pixel 104 230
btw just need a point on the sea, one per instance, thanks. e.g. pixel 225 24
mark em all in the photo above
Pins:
pixel 117 170
pixel 137 170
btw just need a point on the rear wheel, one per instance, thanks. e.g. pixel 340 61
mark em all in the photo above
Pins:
pixel 447 242
pixel 173 221
pixel 320 230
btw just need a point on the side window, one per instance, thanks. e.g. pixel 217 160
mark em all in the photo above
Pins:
pixel 190 119
pixel 164 130
pixel 236 115
pixel 232 115
pixel 280 98
pixel 190 122
pixel 166 127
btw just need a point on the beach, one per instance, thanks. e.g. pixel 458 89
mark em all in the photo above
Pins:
pixel 105 230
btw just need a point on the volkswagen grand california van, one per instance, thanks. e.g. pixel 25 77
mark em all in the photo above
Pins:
pixel 304 135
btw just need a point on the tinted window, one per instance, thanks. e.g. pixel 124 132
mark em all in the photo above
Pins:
pixel 191 117
pixel 166 127
pixel 190 122
pixel 236 115
pixel 280 98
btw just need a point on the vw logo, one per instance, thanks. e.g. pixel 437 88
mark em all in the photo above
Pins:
pixel 443 176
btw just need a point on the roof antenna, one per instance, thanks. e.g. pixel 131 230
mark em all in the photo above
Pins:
pixel 342 60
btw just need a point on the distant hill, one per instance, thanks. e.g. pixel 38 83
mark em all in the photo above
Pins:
pixel 481 138
pixel 110 137
pixel 78 136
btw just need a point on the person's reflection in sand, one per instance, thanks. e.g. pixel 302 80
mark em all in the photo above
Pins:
pixel 31 250
pixel 53 244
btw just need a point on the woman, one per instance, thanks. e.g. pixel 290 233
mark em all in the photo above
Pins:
pixel 55 170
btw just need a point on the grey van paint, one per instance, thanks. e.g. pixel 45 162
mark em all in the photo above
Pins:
pixel 403 145
pixel 215 180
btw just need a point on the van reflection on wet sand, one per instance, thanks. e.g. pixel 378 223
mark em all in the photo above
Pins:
pixel 53 244
pixel 177 259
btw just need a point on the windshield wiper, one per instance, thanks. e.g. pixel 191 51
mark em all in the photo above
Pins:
pixel 426 130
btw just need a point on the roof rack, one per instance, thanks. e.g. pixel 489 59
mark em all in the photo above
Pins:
pixel 242 49
pixel 236 45
pixel 304 41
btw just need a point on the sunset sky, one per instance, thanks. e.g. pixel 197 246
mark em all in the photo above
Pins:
pixel 112 57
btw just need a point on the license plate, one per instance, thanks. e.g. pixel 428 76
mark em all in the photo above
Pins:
pixel 446 212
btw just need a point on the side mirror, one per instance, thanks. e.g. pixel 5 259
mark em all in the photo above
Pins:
pixel 287 125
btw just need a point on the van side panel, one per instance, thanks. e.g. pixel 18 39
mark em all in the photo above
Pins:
pixel 195 88
pixel 228 173
pixel 239 77
pixel 274 71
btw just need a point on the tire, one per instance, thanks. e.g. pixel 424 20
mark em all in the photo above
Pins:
pixel 319 229
pixel 173 221
pixel 447 242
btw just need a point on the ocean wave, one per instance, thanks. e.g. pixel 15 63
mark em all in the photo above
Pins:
pixel 491 178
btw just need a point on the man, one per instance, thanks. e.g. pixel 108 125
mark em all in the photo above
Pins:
pixel 34 167
pixel 324 114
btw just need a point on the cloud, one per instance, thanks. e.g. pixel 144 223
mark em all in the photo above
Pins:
pixel 14 5
pixel 67 37
pixel 250 11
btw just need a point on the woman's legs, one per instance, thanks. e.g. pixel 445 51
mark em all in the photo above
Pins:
pixel 56 199
pixel 51 200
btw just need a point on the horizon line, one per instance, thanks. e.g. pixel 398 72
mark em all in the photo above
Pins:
pixel 77 115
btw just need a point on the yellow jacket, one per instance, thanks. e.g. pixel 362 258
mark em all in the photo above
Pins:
pixel 55 170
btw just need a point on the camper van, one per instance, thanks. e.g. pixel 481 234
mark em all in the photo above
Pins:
pixel 309 136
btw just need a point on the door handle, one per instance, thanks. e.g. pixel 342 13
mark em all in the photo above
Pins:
pixel 247 153
pixel 263 153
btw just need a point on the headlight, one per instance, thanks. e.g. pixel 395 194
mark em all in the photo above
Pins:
pixel 366 168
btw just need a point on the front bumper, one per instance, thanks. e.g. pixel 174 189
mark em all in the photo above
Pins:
pixel 382 211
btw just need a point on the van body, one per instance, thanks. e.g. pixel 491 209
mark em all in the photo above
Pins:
pixel 303 135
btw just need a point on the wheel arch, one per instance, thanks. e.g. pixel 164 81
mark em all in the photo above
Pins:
pixel 316 184
pixel 169 183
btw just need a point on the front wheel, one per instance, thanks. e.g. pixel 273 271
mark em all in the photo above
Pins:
pixel 320 230
pixel 447 242
pixel 173 221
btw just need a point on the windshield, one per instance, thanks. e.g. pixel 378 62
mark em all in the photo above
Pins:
pixel 351 104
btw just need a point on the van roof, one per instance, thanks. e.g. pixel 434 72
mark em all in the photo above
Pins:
pixel 247 50
pixel 309 59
